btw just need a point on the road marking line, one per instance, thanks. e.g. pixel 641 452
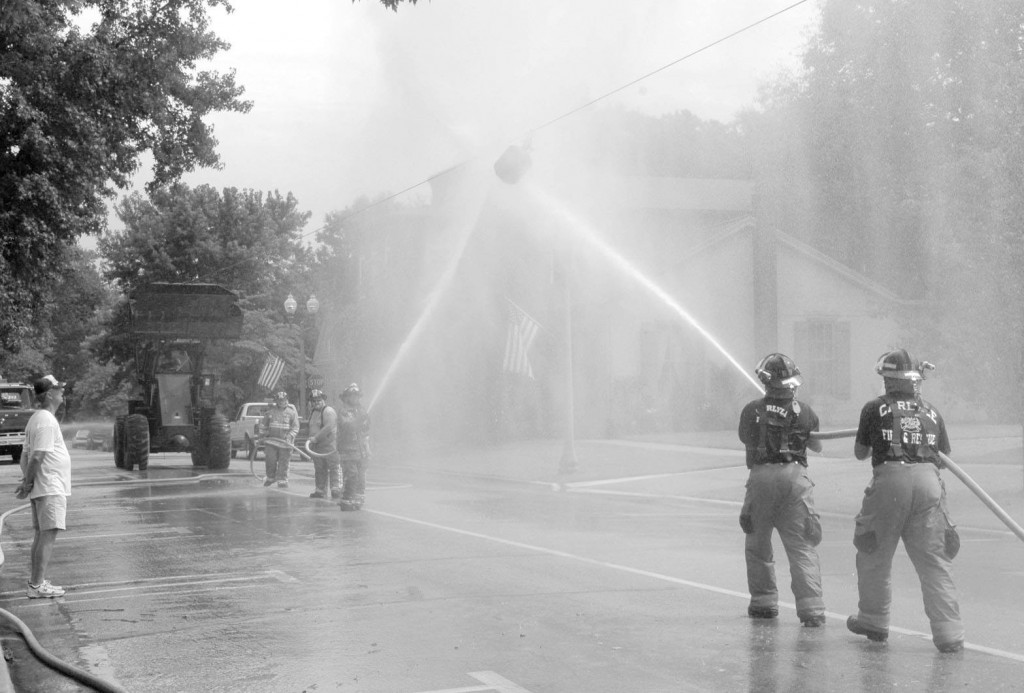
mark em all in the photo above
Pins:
pixel 718 452
pixel 661 576
pixel 167 581
pixel 626 479
pixel 739 504
pixel 178 533
pixel 492 681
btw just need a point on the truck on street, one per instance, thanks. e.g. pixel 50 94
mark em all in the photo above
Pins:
pixel 16 408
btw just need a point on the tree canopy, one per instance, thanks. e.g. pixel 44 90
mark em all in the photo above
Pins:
pixel 245 240
pixel 899 151
pixel 78 106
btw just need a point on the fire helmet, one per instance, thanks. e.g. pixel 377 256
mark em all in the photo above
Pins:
pixel 314 395
pixel 779 372
pixel 899 364
pixel 281 396
pixel 351 392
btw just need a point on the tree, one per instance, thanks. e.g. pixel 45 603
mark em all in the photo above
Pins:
pixel 243 240
pixel 900 151
pixel 70 312
pixel 78 106
pixel 393 4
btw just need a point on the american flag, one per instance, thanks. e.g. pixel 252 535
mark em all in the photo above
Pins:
pixel 522 330
pixel 272 368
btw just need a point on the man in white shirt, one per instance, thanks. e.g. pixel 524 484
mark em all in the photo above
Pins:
pixel 46 481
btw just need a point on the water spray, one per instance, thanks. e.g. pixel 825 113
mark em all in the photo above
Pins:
pixel 584 231
pixel 433 300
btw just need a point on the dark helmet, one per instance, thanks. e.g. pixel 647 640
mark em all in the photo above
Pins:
pixel 317 394
pixel 778 372
pixel 899 364
pixel 281 396
pixel 351 392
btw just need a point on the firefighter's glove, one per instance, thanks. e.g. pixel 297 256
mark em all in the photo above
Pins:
pixel 746 523
pixel 798 440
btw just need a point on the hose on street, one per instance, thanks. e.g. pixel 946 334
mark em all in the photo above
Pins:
pixel 83 677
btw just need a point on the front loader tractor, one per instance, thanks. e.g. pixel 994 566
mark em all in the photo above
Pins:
pixel 171 407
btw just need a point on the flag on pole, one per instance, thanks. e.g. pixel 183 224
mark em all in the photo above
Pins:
pixel 522 330
pixel 272 369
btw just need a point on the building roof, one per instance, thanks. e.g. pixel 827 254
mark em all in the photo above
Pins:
pixel 746 224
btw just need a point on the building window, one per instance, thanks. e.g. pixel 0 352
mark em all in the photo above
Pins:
pixel 822 350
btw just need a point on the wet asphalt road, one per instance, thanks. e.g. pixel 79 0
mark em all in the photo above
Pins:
pixel 446 583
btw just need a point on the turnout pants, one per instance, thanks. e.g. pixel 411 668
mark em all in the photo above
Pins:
pixel 779 498
pixel 353 478
pixel 276 460
pixel 908 502
pixel 327 470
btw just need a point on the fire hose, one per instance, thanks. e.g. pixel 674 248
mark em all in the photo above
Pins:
pixel 957 472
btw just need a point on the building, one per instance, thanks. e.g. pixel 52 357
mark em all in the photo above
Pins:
pixel 668 290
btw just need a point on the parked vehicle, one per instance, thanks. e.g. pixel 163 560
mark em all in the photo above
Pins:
pixel 243 427
pixel 15 411
pixel 81 439
pixel 102 439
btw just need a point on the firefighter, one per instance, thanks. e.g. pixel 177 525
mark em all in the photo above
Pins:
pixel 905 499
pixel 323 436
pixel 354 447
pixel 776 433
pixel 279 427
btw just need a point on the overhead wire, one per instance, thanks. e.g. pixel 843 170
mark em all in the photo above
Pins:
pixel 588 104
pixel 563 116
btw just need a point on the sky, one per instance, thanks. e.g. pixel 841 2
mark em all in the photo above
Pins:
pixel 352 99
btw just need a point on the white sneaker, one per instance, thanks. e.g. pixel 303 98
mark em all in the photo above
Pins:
pixel 44 590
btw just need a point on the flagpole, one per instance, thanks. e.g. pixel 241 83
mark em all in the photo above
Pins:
pixel 569 463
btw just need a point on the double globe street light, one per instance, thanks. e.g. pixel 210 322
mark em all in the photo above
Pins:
pixel 312 307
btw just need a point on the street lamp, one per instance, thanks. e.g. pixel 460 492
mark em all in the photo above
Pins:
pixel 312 306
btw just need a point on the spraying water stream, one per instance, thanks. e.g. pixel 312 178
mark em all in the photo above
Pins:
pixel 466 226
pixel 585 232
pixel 581 230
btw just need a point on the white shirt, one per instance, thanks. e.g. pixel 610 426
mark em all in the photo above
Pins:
pixel 53 476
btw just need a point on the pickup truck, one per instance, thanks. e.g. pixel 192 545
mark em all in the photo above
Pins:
pixel 16 409
pixel 249 416
pixel 247 422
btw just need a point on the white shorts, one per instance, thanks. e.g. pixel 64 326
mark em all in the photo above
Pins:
pixel 49 512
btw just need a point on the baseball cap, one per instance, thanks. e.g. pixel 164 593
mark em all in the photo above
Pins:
pixel 47 383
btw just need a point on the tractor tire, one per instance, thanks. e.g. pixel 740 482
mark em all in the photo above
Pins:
pixel 119 442
pixel 136 442
pixel 200 446
pixel 218 442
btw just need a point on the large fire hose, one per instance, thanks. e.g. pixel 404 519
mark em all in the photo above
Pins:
pixel 957 472
pixel 251 445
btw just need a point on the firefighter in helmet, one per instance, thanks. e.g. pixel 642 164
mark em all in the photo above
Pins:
pixel 776 433
pixel 323 437
pixel 906 499
pixel 279 427
pixel 354 447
